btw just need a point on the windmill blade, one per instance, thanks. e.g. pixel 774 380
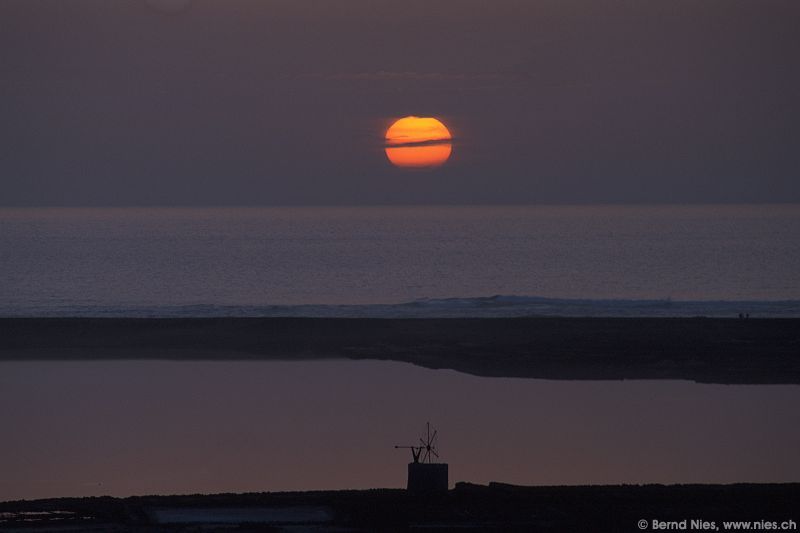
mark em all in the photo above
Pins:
pixel 426 451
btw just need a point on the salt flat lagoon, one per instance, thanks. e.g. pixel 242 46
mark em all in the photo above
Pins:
pixel 162 427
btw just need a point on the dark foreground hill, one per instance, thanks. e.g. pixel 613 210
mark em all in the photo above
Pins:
pixel 468 507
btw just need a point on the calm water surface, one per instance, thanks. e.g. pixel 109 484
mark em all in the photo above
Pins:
pixel 121 428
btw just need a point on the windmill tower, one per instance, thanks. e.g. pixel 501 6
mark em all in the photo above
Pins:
pixel 424 475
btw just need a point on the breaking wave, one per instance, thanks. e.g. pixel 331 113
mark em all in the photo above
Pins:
pixel 479 307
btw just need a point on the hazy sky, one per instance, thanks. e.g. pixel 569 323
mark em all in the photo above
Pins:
pixel 178 102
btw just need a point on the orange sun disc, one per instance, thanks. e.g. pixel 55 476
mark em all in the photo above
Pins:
pixel 418 142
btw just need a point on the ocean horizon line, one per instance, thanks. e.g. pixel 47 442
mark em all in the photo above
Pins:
pixel 642 204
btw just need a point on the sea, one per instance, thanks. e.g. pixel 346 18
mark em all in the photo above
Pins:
pixel 402 261
pixel 135 427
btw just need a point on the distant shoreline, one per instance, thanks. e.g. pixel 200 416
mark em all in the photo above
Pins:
pixel 707 350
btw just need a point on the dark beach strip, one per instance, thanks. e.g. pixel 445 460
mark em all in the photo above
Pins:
pixel 709 350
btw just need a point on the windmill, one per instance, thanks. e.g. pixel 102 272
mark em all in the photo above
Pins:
pixel 424 475
pixel 427 449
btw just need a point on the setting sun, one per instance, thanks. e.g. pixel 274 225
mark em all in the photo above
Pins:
pixel 418 142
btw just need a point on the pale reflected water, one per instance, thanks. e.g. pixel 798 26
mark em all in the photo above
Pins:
pixel 132 427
